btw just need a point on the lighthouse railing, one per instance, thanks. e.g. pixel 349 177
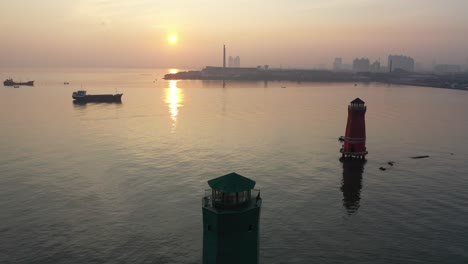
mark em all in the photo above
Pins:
pixel 207 198
pixel 252 199
pixel 357 107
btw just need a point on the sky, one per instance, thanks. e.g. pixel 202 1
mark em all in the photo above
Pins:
pixel 288 34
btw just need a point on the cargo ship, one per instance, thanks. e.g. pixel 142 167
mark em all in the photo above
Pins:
pixel 81 96
pixel 10 82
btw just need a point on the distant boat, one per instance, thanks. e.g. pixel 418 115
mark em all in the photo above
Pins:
pixel 16 86
pixel 81 96
pixel 66 83
pixel 10 82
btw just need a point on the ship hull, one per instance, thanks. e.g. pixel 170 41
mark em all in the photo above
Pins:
pixel 107 98
pixel 12 83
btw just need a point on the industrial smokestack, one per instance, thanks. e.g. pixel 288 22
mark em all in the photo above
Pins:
pixel 224 56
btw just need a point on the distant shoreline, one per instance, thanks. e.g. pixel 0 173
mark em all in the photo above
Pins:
pixel 457 81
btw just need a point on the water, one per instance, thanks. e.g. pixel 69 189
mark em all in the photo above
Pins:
pixel 122 183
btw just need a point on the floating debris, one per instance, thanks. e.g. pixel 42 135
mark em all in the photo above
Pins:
pixel 420 157
pixel 382 168
pixel 391 163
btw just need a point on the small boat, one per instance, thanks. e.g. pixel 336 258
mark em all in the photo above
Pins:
pixel 420 157
pixel 81 96
pixel 66 83
pixel 10 82
pixel 16 86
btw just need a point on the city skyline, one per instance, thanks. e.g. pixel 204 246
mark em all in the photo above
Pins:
pixel 186 34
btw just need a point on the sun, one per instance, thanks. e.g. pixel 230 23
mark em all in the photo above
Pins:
pixel 172 39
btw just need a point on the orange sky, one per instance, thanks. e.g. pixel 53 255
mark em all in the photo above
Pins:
pixel 298 33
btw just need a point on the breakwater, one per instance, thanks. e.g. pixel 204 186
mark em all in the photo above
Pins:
pixel 452 81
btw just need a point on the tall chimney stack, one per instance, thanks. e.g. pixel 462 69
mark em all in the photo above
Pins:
pixel 224 56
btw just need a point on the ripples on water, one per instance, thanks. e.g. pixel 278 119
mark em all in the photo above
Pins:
pixel 122 183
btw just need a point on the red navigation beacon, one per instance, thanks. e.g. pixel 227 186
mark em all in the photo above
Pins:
pixel 354 141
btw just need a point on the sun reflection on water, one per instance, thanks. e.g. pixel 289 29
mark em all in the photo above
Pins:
pixel 174 98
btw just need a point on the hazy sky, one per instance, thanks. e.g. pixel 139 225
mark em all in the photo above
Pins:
pixel 290 33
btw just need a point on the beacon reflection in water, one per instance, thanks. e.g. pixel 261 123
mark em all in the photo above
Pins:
pixel 174 98
pixel 352 183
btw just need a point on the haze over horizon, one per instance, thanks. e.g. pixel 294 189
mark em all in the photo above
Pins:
pixel 106 33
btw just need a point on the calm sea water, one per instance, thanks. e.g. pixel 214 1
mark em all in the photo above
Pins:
pixel 122 183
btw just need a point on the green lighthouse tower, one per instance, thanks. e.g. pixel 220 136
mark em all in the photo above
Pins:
pixel 231 214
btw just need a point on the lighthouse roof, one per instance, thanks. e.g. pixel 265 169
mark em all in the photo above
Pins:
pixel 231 182
pixel 357 101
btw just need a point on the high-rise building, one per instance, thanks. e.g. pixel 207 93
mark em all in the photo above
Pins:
pixel 400 62
pixel 361 65
pixel 234 62
pixel 237 62
pixel 375 67
pixel 338 64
